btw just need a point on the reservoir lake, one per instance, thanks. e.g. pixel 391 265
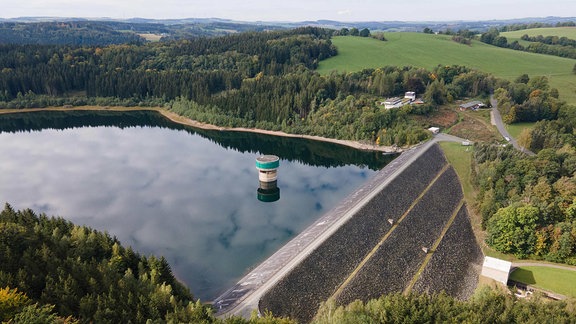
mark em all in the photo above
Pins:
pixel 169 190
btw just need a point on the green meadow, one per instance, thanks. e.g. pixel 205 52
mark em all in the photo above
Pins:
pixel 557 280
pixel 428 51
pixel 568 32
pixel 460 157
pixel 516 129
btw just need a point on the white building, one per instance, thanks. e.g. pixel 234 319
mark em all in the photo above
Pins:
pixel 496 269
pixel 397 102
pixel 394 102
pixel 410 95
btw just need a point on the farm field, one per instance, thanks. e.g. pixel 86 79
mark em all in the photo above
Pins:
pixel 568 32
pixel 557 280
pixel 428 51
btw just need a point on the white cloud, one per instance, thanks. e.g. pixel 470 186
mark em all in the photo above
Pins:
pixel 344 12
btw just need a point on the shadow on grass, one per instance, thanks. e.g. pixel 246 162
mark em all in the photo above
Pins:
pixel 523 276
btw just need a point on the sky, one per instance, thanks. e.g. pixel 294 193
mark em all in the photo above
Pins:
pixel 292 10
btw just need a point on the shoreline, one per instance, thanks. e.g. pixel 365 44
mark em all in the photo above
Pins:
pixel 196 124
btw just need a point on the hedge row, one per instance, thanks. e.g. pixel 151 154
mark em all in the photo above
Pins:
pixel 299 294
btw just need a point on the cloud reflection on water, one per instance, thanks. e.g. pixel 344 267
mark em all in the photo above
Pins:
pixel 170 193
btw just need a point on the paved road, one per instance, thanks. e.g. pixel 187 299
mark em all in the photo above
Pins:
pixel 244 297
pixel 540 264
pixel 442 137
pixel 496 118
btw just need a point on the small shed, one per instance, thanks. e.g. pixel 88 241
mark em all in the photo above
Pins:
pixel 434 130
pixel 496 269
pixel 472 105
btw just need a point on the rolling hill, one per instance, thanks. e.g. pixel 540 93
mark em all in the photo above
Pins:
pixel 569 32
pixel 429 50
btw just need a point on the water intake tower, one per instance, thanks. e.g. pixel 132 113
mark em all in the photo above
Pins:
pixel 267 166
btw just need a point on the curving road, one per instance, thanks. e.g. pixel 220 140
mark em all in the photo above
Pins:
pixel 496 120
pixel 539 264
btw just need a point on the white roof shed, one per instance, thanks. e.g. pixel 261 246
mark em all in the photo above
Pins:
pixel 496 269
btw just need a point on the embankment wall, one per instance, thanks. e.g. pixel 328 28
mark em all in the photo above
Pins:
pixel 368 256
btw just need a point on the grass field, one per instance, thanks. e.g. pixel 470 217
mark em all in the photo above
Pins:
pixel 460 158
pixel 428 51
pixel 151 37
pixel 516 129
pixel 556 280
pixel 568 32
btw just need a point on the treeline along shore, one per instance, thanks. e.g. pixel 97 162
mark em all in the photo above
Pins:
pixel 196 124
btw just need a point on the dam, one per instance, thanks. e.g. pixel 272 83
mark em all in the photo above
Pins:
pixel 407 229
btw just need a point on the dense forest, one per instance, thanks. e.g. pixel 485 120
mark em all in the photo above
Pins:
pixel 84 273
pixel 528 100
pixel 53 271
pixel 66 33
pixel 81 32
pixel 486 306
pixel 528 203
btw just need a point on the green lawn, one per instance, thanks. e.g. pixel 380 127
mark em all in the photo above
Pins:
pixel 555 280
pixel 517 128
pixel 460 158
pixel 428 51
pixel 568 32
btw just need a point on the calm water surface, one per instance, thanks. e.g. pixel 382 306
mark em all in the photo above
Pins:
pixel 164 189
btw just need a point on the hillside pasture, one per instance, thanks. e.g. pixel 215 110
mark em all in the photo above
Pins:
pixel 568 32
pixel 428 51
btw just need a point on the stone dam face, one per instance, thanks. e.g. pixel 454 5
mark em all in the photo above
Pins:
pixel 412 234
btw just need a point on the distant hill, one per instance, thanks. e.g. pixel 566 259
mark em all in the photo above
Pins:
pixel 73 31
pixel 67 33
pixel 28 30
pixel 429 50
